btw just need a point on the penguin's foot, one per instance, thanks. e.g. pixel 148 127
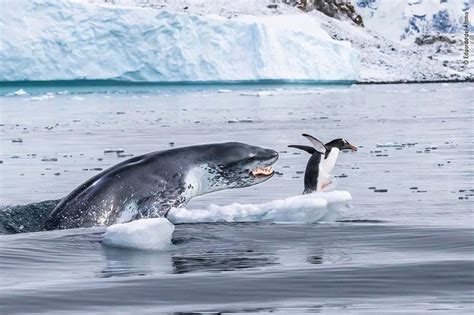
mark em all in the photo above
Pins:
pixel 325 184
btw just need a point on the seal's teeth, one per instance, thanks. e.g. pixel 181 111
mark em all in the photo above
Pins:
pixel 262 171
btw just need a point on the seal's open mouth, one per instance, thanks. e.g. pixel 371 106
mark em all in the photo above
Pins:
pixel 262 171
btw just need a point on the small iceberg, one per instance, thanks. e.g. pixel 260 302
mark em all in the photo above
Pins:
pixel 145 234
pixel 44 97
pixel 20 92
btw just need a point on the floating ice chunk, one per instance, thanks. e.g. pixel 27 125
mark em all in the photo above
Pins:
pixel 258 93
pixel 117 151
pixel 49 159
pixel 145 234
pixel 320 206
pixel 20 92
pixel 45 97
pixel 389 145
pixel 234 121
pixel 304 91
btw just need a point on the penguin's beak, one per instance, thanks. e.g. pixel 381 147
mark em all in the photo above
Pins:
pixel 350 147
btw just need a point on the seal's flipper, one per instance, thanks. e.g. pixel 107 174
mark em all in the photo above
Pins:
pixel 306 148
pixel 158 206
pixel 318 145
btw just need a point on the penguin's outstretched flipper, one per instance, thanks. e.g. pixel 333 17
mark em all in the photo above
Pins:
pixel 306 148
pixel 318 145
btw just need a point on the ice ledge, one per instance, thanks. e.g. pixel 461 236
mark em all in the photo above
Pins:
pixel 47 40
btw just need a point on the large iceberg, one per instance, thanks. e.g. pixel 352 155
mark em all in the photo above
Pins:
pixel 68 40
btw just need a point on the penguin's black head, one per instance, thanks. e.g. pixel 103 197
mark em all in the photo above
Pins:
pixel 341 144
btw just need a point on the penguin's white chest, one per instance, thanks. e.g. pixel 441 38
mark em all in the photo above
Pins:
pixel 325 168
pixel 328 164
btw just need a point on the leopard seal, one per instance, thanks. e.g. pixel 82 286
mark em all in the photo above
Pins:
pixel 150 185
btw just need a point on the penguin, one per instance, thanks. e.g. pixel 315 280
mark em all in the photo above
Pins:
pixel 322 161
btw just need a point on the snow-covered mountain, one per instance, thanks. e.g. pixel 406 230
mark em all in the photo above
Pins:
pixel 408 19
pixel 68 40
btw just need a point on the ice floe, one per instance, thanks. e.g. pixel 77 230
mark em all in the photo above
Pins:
pixel 156 233
pixel 145 234
pixel 44 97
pixel 19 92
pixel 315 207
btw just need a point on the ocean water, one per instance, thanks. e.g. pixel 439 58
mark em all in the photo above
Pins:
pixel 404 244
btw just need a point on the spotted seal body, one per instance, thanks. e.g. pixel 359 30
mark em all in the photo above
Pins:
pixel 150 185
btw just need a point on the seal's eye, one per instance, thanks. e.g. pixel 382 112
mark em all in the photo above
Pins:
pixel 252 156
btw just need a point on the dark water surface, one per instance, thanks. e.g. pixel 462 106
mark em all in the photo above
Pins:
pixel 239 267
pixel 407 250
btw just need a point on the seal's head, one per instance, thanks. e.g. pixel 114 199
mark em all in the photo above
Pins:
pixel 235 165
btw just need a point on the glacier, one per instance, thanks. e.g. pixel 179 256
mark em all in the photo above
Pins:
pixel 45 40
